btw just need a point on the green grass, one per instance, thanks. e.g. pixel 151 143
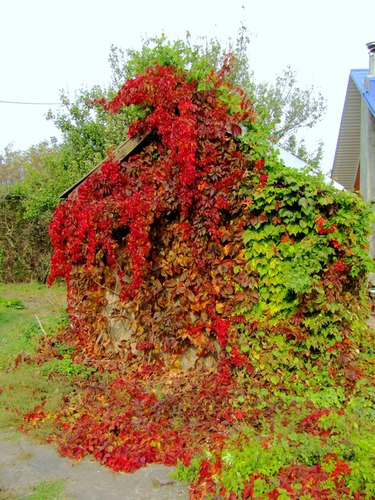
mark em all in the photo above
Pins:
pixel 40 303
pixel 45 490
pixel 28 314
pixel 23 385
pixel 22 390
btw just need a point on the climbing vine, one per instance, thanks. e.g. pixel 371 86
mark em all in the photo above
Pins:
pixel 163 221
pixel 202 251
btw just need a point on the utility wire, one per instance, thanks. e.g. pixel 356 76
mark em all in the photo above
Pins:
pixel 32 103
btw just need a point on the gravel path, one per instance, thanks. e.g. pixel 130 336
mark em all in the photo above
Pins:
pixel 24 464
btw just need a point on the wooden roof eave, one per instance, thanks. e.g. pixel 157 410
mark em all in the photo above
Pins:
pixel 120 154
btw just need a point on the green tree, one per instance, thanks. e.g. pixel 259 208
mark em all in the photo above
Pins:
pixel 11 168
pixel 87 131
pixel 298 148
pixel 284 108
pixel 36 177
pixel 283 105
pixel 30 185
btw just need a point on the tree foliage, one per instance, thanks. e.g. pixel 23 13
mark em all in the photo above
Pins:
pixel 287 107
pixel 30 186
pixel 283 105
pixel 11 169
pixel 25 249
pixel 37 176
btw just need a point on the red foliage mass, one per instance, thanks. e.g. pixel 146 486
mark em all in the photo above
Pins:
pixel 163 230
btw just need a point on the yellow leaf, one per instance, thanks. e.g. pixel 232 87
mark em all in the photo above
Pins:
pixel 219 306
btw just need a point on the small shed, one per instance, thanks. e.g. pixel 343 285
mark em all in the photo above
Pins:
pixel 187 298
pixel 190 236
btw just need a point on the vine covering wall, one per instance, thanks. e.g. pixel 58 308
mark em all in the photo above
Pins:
pixel 203 251
pixel 204 240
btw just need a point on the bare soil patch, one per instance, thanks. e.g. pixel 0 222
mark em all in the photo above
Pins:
pixel 24 464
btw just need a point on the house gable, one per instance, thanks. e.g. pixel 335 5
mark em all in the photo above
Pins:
pixel 355 145
pixel 346 162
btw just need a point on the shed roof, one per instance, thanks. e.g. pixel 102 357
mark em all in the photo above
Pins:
pixel 121 153
pixel 347 154
pixel 133 144
pixel 290 160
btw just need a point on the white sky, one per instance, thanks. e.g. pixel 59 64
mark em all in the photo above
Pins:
pixel 48 45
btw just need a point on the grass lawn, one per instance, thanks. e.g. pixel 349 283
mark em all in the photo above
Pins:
pixel 28 312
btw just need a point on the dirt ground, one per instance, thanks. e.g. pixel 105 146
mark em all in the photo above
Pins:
pixel 24 464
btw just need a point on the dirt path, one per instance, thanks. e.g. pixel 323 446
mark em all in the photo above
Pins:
pixel 24 464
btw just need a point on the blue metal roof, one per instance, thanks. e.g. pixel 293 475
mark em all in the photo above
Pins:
pixel 358 76
pixel 347 156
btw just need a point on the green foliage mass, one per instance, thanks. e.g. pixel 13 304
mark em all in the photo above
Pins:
pixel 14 303
pixel 66 367
pixel 283 243
pixel 26 206
pixel 280 444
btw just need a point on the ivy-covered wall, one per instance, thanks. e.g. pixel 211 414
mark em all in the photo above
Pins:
pixel 205 242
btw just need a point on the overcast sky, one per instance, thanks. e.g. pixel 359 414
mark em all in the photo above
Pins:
pixel 48 45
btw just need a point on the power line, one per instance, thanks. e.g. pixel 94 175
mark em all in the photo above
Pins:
pixel 32 103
